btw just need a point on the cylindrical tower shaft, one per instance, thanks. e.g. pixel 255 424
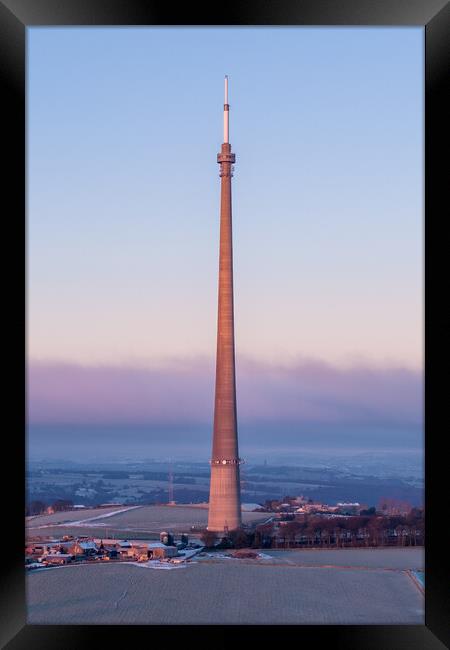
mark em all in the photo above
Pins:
pixel 224 498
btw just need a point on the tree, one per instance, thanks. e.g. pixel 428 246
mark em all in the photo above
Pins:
pixel 239 538
pixel 35 508
pixel 385 524
pixel 414 516
pixel 272 504
pixel 400 537
pixel 339 526
pixel 291 529
pixel 414 521
pixel 353 526
pixel 391 506
pixel 311 530
pixel 263 536
pixel 62 504
pixel 327 529
pixel 374 527
pixel 208 537
pixel 281 534
pixel 316 528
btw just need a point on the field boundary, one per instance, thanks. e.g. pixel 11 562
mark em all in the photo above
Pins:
pixel 417 582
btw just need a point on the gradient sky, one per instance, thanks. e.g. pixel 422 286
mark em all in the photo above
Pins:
pixel 123 210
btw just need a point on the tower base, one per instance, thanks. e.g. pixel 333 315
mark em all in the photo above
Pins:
pixel 224 499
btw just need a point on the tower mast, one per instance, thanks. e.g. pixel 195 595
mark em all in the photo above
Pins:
pixel 224 496
pixel 226 114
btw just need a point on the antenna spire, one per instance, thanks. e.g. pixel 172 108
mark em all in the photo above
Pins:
pixel 226 112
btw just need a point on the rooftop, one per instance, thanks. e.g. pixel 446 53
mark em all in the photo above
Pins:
pixel 88 545
pixel 157 545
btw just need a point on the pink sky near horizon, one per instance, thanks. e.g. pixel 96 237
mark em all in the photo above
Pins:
pixel 184 392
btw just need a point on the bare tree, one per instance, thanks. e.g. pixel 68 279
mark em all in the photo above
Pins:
pixel 35 508
pixel 208 537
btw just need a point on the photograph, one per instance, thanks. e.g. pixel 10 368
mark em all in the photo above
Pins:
pixel 225 325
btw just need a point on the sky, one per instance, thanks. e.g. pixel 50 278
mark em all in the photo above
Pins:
pixel 123 128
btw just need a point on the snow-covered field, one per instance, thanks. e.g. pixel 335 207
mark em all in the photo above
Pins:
pixel 73 516
pixel 176 518
pixel 151 519
pixel 233 592
pixel 144 522
pixel 382 558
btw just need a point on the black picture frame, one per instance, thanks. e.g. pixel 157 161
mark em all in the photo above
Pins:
pixel 434 16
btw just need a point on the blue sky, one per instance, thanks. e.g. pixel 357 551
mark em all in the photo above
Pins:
pixel 123 197
pixel 124 127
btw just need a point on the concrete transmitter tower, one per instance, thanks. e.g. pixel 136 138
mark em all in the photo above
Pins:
pixel 224 495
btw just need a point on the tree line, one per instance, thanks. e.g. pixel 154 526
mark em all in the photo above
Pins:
pixel 40 507
pixel 309 531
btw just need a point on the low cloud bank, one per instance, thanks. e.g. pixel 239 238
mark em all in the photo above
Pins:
pixel 182 392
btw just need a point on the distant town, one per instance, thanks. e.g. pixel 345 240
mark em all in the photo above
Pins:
pixel 364 479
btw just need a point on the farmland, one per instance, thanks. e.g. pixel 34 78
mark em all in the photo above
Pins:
pixel 375 558
pixel 140 522
pixel 176 518
pixel 69 516
pixel 226 592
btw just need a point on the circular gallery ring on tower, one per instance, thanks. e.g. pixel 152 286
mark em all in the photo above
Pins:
pixel 226 461
pixel 226 157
